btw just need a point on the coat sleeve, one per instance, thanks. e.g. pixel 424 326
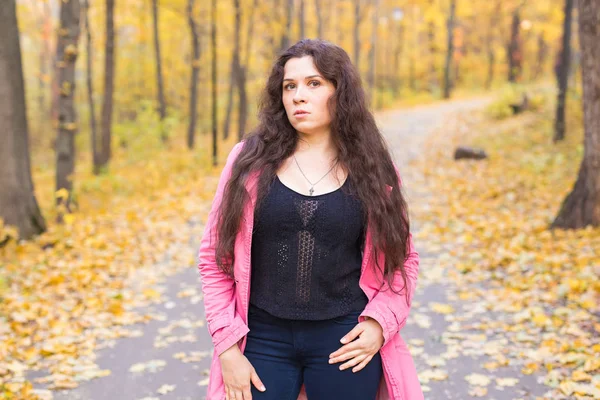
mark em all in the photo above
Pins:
pixel 225 325
pixel 389 309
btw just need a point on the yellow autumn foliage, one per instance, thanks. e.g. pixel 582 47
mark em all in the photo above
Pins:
pixel 493 216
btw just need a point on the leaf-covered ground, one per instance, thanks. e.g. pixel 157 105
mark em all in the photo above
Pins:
pixel 523 295
pixel 80 284
pixel 505 308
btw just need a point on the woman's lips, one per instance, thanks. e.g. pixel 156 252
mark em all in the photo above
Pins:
pixel 301 115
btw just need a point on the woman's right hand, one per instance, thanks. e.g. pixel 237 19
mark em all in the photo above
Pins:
pixel 238 374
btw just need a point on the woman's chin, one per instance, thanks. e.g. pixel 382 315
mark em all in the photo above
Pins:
pixel 305 127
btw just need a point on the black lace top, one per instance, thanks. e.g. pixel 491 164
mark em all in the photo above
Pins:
pixel 306 254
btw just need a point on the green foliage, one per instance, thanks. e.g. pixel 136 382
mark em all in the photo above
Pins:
pixel 142 134
pixel 500 108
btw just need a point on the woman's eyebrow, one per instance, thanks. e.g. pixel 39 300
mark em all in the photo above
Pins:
pixel 308 77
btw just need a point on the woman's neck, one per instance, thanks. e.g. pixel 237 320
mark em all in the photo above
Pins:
pixel 316 145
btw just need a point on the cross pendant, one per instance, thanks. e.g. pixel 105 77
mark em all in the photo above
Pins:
pixel 311 190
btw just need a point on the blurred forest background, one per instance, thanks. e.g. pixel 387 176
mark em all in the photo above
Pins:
pixel 116 114
pixel 120 80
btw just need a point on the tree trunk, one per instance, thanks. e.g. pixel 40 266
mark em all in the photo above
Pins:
pixel 319 13
pixel 582 206
pixel 233 81
pixel 140 54
pixel 235 67
pixel 431 29
pixel 45 59
pixel 89 81
pixel 338 28
pixel 269 52
pixel 107 101
pixel 18 205
pixel 243 106
pixel 356 33
pixel 450 51
pixel 243 71
pixel 489 44
pixel 515 51
pixel 195 64
pixel 456 75
pixel 162 108
pixel 302 21
pixel 397 56
pixel 54 83
pixel 542 53
pixel 42 87
pixel 213 42
pixel 66 55
pixel 490 71
pixel 289 15
pixel 250 35
pixel 371 76
pixel 433 82
pixel 563 74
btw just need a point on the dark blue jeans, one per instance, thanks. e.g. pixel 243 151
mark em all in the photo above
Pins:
pixel 286 353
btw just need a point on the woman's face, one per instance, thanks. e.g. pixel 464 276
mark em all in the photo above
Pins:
pixel 304 88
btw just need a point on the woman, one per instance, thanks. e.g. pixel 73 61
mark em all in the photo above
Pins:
pixel 307 262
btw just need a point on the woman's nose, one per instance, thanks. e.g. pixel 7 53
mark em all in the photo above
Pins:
pixel 299 95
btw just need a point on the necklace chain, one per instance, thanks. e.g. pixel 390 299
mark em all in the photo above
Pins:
pixel 312 185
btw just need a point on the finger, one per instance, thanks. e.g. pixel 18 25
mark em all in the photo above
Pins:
pixel 247 394
pixel 257 382
pixel 228 393
pixel 362 364
pixel 350 336
pixel 353 361
pixel 356 345
pixel 238 395
pixel 345 356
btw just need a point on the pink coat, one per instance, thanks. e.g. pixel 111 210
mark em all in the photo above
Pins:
pixel 226 300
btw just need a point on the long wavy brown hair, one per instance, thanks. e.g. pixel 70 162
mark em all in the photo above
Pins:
pixel 361 149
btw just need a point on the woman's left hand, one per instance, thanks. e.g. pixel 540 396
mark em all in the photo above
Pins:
pixel 359 352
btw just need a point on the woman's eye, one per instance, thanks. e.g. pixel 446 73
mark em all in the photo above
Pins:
pixel 311 82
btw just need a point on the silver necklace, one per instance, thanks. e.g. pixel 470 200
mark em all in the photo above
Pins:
pixel 312 185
